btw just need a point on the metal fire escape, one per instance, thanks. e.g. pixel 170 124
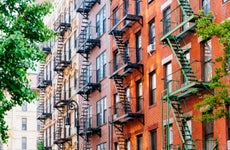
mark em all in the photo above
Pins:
pixel 42 84
pixel 61 26
pixel 87 41
pixel 122 20
pixel 172 36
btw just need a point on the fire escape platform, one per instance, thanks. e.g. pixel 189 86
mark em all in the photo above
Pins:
pixel 88 45
pixel 91 131
pixel 191 18
pixel 126 69
pixel 127 117
pixel 60 103
pixel 190 88
pixel 89 87
pixel 62 65
pixel 44 116
pixel 87 6
pixel 131 20
pixel 62 140
pixel 44 84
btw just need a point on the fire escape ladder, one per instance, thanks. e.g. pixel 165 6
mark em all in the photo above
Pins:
pixel 59 130
pixel 120 136
pixel 58 94
pixel 186 8
pixel 182 125
pixel 183 62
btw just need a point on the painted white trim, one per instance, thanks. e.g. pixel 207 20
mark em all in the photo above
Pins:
pixel 167 59
pixel 166 4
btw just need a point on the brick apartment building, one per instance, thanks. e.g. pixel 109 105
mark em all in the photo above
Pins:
pixel 125 74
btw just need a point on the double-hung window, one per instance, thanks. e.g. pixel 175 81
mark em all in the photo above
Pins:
pixel 24 143
pixel 166 20
pixel 101 22
pixel 207 60
pixel 101 66
pixel 153 139
pixel 152 34
pixel 101 146
pixel 24 124
pixel 138 47
pixel 139 95
pixel 139 142
pixel 206 6
pixel 152 92
pixel 101 111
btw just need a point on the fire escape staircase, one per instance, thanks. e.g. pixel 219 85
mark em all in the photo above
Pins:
pixel 191 83
pixel 61 27
pixel 127 115
pixel 42 87
pixel 181 122
pixel 86 86
pixel 86 6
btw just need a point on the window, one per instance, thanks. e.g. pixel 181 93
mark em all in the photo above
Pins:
pixel 75 80
pixel 206 6
pixel 65 96
pixel 101 111
pixel 75 4
pixel 152 78
pixel 138 7
pixel 115 63
pixel 50 73
pixel 138 47
pixel 70 12
pixel 139 142
pixel 228 107
pixel 24 123
pixel 70 48
pixel 152 33
pixel 207 60
pixel 115 16
pixel 128 144
pixel 171 137
pixel 90 117
pixel 101 66
pixel 153 139
pixel 24 143
pixel 64 57
pixel 101 22
pixel 69 87
pixel 168 76
pixel 75 39
pixel 101 146
pixel 139 95
pixel 208 135
pixel 88 74
pixel 166 20
pixel 24 106
pixel 188 133
pixel 116 104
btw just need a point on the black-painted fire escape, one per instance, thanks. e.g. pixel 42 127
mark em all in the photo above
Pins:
pixel 43 83
pixel 87 41
pixel 61 26
pixel 122 19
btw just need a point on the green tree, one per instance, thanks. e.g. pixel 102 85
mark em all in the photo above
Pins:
pixel 21 29
pixel 41 146
pixel 213 105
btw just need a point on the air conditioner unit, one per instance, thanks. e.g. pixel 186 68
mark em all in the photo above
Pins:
pixel 228 144
pixel 151 48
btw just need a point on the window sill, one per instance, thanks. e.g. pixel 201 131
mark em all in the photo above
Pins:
pixel 152 106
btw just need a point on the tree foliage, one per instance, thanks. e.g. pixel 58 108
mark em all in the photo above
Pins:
pixel 213 105
pixel 21 29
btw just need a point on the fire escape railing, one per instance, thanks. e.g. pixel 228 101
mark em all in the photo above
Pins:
pixel 123 18
pixel 62 61
pixel 86 5
pixel 87 40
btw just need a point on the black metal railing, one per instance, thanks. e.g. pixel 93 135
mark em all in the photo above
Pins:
pixel 88 39
pixel 86 5
pixel 124 17
pixel 62 23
